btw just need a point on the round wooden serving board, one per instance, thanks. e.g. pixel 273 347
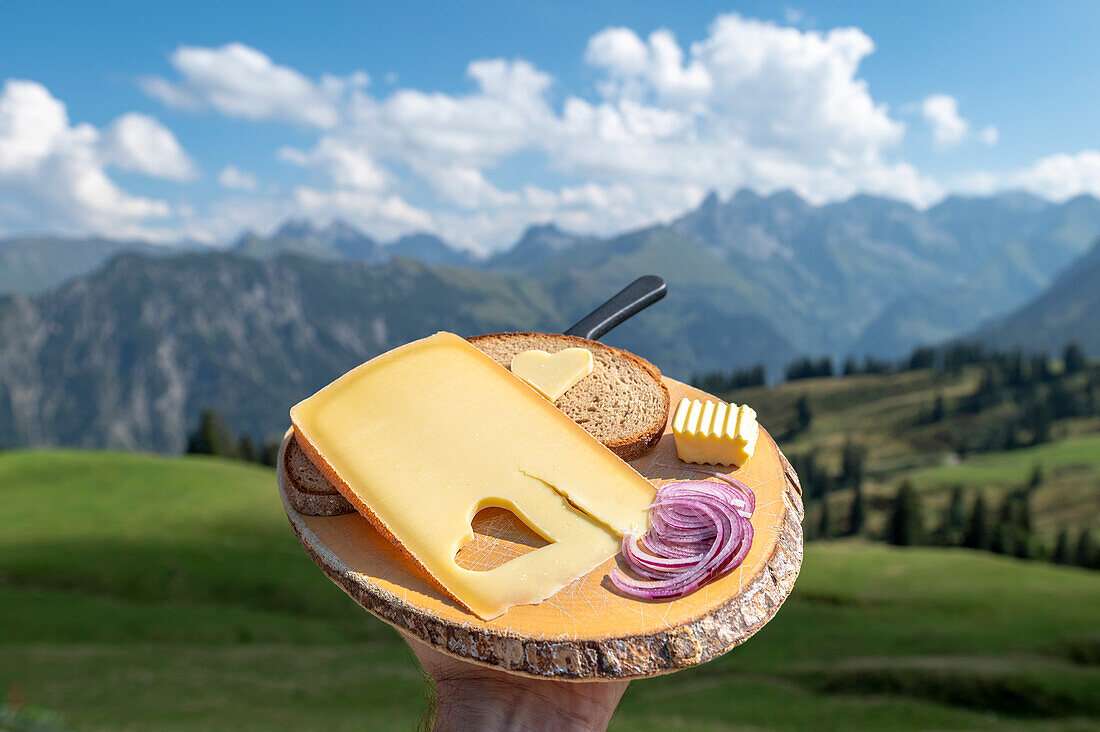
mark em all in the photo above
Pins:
pixel 588 631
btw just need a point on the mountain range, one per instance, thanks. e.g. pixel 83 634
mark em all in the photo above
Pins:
pixel 128 356
pixel 876 276
pixel 864 276
pixel 341 241
pixel 124 357
pixel 39 263
pixel 130 341
pixel 1068 310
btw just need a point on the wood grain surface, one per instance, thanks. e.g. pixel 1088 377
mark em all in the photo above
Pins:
pixel 589 630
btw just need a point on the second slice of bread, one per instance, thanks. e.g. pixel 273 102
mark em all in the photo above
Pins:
pixel 622 403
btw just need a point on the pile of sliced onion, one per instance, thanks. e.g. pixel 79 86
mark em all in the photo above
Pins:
pixel 699 531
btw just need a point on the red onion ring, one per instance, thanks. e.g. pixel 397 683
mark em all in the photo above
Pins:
pixel 699 531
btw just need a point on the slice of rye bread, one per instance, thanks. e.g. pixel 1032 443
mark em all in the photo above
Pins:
pixel 307 489
pixel 622 403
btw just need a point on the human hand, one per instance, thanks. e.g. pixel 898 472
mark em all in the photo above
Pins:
pixel 473 697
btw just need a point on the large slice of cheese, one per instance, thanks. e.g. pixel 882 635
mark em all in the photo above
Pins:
pixel 423 437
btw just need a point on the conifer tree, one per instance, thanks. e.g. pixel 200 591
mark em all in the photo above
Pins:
pixel 939 409
pixel 905 527
pixel 1025 543
pixel 246 451
pixel 269 453
pixel 857 515
pixel 825 527
pixel 950 531
pixel 1004 533
pixel 808 473
pixel 213 436
pixel 1062 554
pixel 1004 541
pixel 1023 516
pixel 977 534
pixel 1086 551
pixel 804 414
pixel 922 358
pixel 851 464
pixel 1074 358
pixel 1038 419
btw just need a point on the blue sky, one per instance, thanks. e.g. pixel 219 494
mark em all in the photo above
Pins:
pixel 202 119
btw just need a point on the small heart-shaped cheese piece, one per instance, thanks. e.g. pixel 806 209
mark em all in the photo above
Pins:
pixel 553 375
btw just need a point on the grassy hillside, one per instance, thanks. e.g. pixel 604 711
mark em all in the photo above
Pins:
pixel 889 415
pixel 153 593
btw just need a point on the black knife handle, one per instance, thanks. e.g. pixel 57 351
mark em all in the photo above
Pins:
pixel 631 300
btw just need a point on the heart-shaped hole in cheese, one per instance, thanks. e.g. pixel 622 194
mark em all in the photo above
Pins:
pixel 499 537
pixel 553 374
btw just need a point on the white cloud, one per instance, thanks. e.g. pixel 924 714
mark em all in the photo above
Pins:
pixel 635 67
pixel 949 128
pixel 141 144
pixel 752 103
pixel 468 188
pixel 348 164
pixel 32 124
pixel 756 84
pixel 1060 176
pixel 797 91
pixel 384 215
pixel 236 179
pixel 941 111
pixel 1056 177
pixel 53 174
pixel 240 81
pixel 508 112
